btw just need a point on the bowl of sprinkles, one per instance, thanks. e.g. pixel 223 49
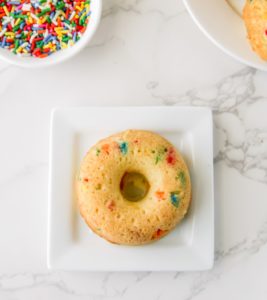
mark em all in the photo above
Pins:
pixel 37 33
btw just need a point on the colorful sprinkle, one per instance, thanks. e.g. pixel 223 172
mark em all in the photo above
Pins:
pixel 160 195
pixel 123 147
pixel 182 178
pixel 175 199
pixel 160 155
pixel 86 180
pixel 158 158
pixel 171 157
pixel 158 234
pixel 40 28
pixel 111 205
pixel 106 148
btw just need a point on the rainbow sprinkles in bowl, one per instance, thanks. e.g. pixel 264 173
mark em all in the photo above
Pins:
pixel 40 28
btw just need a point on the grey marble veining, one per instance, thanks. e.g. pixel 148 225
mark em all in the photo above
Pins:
pixel 240 146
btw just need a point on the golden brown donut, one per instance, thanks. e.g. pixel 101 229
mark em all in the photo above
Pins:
pixel 133 187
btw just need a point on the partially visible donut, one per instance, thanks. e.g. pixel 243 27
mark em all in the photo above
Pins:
pixel 133 187
pixel 255 17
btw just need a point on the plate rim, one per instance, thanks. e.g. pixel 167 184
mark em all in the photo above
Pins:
pixel 189 7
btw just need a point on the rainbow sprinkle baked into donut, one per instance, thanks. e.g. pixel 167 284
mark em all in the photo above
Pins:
pixel 39 28
pixel 133 187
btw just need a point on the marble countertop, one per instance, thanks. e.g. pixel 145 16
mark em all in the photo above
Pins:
pixel 146 52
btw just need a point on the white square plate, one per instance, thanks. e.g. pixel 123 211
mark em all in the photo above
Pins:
pixel 72 245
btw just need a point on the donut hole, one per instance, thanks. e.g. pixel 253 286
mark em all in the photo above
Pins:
pixel 134 186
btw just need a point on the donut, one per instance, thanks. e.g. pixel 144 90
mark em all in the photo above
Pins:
pixel 133 187
pixel 255 18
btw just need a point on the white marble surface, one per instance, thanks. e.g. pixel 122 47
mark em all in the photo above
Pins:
pixel 146 52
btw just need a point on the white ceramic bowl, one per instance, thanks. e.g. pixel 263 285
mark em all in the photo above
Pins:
pixel 222 23
pixel 62 55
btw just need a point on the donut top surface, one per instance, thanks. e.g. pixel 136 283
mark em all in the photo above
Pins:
pixel 157 172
